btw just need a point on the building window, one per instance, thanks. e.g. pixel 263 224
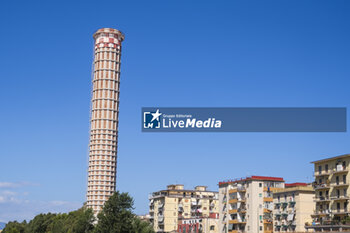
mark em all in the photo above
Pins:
pixel 260 228
pixel 326 167
pixel 260 185
pixel 260 194
pixel 319 169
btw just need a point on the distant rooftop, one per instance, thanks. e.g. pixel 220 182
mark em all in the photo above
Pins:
pixel 295 184
pixel 295 187
pixel 332 158
pixel 180 187
pixel 264 178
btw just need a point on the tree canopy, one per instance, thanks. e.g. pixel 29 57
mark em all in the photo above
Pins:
pixel 115 217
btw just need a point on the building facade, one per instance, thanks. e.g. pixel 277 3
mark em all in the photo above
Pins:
pixel 104 117
pixel 332 193
pixel 293 207
pixel 175 203
pixel 199 225
pixel 246 205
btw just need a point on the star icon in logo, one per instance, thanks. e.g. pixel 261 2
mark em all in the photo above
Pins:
pixel 156 115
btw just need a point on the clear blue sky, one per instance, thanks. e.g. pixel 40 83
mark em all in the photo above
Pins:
pixel 176 54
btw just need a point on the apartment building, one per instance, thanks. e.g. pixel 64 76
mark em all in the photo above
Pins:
pixel 246 204
pixel 293 207
pixel 175 203
pixel 331 188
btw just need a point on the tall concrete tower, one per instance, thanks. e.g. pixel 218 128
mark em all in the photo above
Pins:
pixel 104 118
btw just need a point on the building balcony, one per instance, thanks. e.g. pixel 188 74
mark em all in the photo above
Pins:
pixel 236 221
pixel 235 200
pixel 233 211
pixel 323 173
pixel 340 169
pixel 268 199
pixel 340 211
pixel 277 204
pixel 232 191
pixel 292 201
pixel 321 186
pixel 340 184
pixel 284 204
pixel 322 199
pixel 160 218
pixel 340 198
pixel 320 213
pixel 284 214
pixel 267 221
pixel 271 189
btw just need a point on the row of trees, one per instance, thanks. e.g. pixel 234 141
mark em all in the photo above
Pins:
pixel 115 217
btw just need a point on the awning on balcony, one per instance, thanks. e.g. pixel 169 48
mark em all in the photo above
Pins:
pixel 290 217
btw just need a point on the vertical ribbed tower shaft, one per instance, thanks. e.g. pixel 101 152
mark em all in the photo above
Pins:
pixel 104 118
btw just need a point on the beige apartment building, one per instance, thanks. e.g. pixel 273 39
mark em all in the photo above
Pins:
pixel 175 203
pixel 293 207
pixel 246 205
pixel 332 193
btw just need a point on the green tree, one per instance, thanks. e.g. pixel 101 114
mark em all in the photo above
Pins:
pixel 116 215
pixel 41 223
pixel 81 221
pixel 15 227
pixel 140 226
